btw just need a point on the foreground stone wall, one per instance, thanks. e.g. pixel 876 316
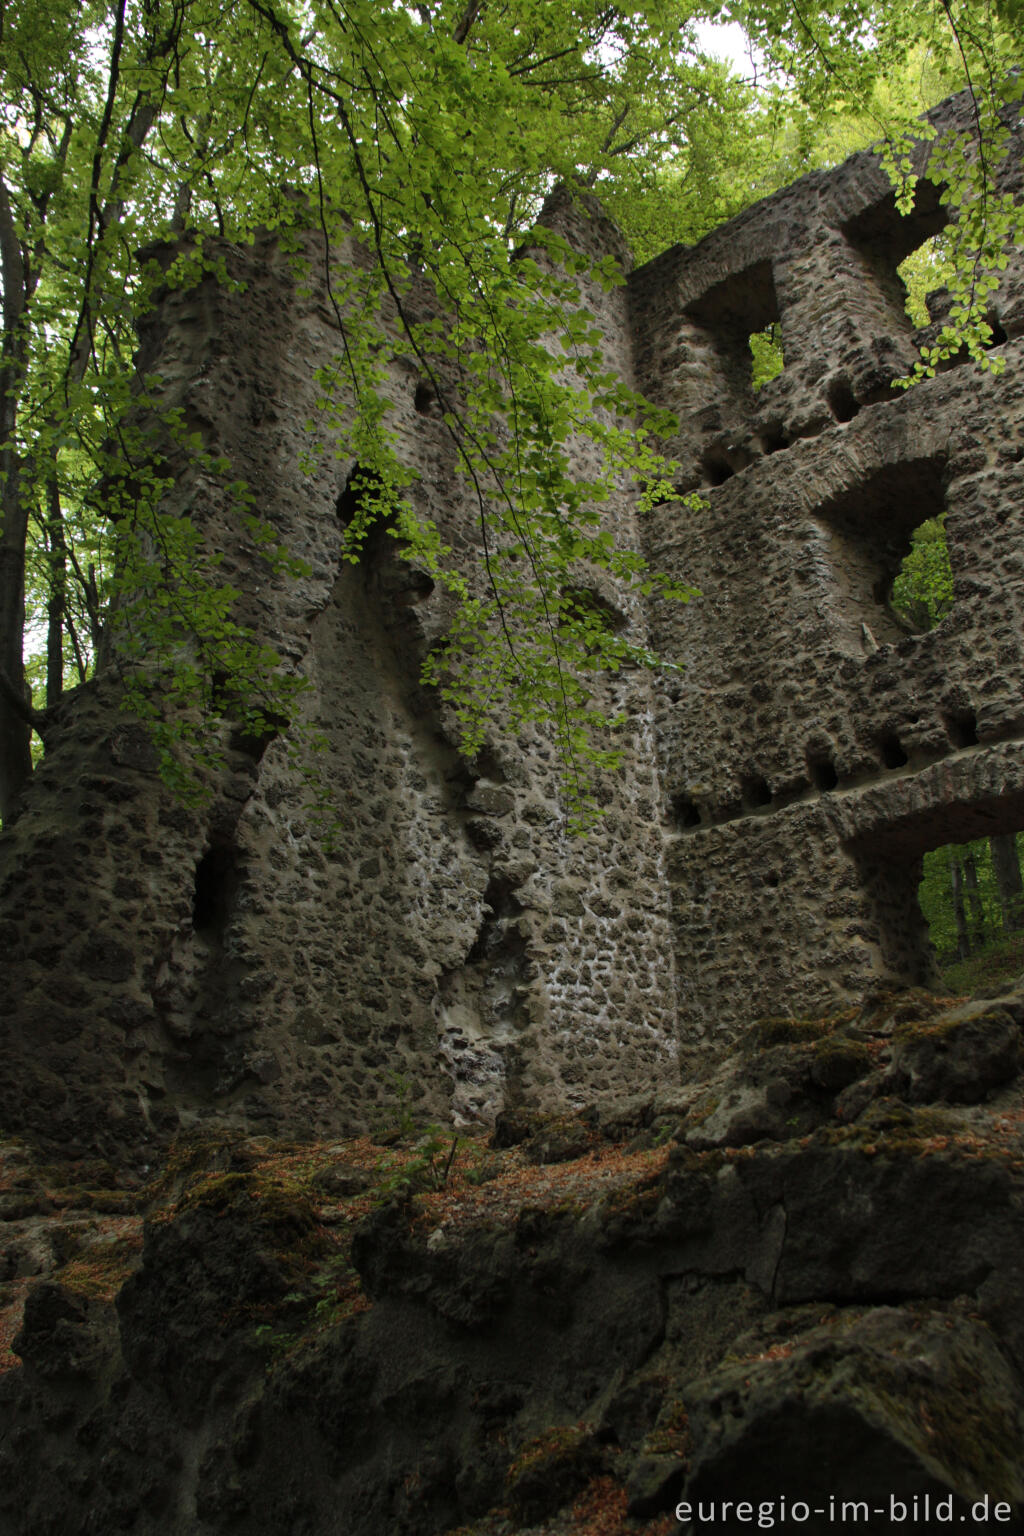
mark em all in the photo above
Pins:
pixel 454 949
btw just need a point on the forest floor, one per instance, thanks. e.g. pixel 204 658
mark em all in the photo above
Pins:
pixel 994 966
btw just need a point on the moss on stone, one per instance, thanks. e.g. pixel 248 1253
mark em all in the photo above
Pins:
pixel 837 1061
pixel 766 1032
pixel 955 1422
pixel 671 1434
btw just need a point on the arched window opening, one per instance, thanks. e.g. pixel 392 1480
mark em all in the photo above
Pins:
pixel 903 252
pixel 926 274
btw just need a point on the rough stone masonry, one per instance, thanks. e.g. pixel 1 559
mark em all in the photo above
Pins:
pixel 456 947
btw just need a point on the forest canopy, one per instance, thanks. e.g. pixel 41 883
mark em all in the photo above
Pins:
pixel 435 130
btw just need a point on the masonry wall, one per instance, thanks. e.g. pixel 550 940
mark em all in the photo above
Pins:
pixel 436 940
pixel 812 749
pixel 451 947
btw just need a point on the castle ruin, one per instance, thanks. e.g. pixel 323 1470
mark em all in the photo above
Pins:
pixel 759 850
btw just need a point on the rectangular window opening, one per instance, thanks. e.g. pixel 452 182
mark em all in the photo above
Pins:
pixel 972 897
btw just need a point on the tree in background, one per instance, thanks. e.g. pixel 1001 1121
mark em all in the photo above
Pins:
pixel 434 131
pixel 972 896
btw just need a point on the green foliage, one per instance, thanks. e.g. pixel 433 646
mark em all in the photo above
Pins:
pixel 983 911
pixel 429 136
pixel 404 1121
pixel 923 589
pixel 429 1169
pixel 766 352
pixel 928 268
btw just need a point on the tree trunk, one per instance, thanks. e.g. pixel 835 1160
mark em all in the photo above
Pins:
pixel 1006 867
pixel 956 881
pixel 15 730
pixel 58 592
pixel 972 894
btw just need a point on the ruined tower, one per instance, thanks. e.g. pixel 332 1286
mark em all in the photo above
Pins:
pixel 760 848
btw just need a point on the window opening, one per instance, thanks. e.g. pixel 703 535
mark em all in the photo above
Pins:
pixel 926 271
pixel 767 360
pixel 216 882
pixel 741 316
pixel 877 537
pixel 922 590
pixel 972 898
pixel 926 274
pixel 366 507
pixel 360 497
pixel 904 253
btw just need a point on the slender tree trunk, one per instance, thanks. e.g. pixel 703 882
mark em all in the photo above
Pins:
pixel 956 881
pixel 57 600
pixel 1006 867
pixel 972 894
pixel 15 696
pixel 15 730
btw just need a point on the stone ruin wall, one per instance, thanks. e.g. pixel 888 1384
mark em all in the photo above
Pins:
pixel 759 851
pixel 811 749
pixel 456 949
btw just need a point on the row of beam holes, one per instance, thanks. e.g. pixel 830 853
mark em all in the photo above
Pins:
pixel 720 464
pixel 961 728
